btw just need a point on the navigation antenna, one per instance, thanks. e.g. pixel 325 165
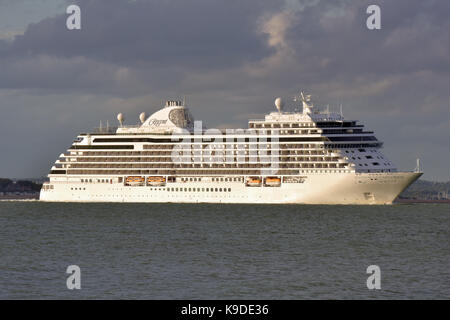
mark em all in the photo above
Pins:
pixel 418 167
pixel 306 102
pixel 296 99
pixel 295 105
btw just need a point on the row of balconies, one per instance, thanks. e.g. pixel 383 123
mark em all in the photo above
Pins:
pixel 178 172
pixel 170 149
pixel 204 165
pixel 212 159
pixel 283 155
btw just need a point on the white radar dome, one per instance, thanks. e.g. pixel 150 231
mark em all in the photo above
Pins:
pixel 120 117
pixel 142 117
pixel 279 103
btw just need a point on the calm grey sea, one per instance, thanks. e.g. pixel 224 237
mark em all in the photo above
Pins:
pixel 182 251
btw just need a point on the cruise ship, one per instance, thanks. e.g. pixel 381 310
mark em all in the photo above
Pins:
pixel 310 156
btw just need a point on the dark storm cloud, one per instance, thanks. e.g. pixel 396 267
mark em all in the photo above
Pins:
pixel 158 32
pixel 332 39
pixel 401 70
pixel 143 43
pixel 140 41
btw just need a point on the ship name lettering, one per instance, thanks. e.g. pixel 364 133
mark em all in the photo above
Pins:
pixel 157 123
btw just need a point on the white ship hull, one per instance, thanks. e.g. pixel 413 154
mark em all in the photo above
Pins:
pixel 327 188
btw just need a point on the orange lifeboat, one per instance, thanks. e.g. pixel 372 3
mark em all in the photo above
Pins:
pixel 156 181
pixel 273 181
pixel 134 181
pixel 253 181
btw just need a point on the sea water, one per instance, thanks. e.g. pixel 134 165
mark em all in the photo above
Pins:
pixel 210 251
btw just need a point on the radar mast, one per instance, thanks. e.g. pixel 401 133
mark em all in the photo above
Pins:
pixel 306 102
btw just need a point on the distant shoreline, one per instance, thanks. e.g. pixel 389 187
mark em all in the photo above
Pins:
pixel 420 201
pixel 34 196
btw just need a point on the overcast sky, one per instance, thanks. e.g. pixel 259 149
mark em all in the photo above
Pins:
pixel 231 59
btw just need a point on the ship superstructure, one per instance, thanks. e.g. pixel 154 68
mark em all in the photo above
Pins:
pixel 314 156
